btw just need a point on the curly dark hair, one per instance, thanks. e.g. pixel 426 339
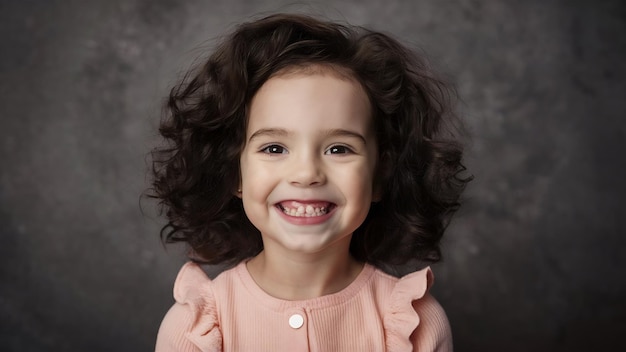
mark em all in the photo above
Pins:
pixel 420 172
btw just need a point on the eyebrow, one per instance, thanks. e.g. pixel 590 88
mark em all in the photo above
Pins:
pixel 271 132
pixel 345 133
pixel 281 132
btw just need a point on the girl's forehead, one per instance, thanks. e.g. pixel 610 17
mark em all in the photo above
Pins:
pixel 312 70
pixel 313 99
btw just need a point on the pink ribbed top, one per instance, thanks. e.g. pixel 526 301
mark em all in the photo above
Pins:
pixel 376 312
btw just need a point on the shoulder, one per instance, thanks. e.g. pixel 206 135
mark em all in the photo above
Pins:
pixel 191 324
pixel 414 320
pixel 433 332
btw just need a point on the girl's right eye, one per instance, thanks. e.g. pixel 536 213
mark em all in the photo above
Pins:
pixel 274 149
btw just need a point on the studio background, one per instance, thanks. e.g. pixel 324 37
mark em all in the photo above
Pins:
pixel 533 261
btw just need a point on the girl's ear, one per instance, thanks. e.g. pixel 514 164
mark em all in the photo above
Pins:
pixel 237 192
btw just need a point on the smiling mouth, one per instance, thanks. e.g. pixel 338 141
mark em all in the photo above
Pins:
pixel 304 210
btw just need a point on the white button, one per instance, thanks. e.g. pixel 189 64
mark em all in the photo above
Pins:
pixel 296 321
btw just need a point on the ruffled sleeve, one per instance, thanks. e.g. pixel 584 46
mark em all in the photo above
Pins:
pixel 192 323
pixel 414 320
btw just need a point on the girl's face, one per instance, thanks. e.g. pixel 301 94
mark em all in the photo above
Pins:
pixel 307 169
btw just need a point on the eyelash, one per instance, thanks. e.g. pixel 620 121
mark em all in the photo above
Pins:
pixel 268 149
pixel 279 149
pixel 346 150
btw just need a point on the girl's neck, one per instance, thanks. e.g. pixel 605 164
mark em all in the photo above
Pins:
pixel 298 278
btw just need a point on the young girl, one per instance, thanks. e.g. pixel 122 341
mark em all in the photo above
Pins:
pixel 308 155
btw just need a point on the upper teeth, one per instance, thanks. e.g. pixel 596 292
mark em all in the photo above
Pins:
pixel 306 211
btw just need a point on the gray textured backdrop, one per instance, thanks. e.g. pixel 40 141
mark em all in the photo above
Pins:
pixel 533 262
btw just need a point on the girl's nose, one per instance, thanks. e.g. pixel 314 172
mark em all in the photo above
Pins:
pixel 307 172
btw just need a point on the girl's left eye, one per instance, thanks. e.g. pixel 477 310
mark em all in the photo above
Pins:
pixel 338 149
pixel 274 149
